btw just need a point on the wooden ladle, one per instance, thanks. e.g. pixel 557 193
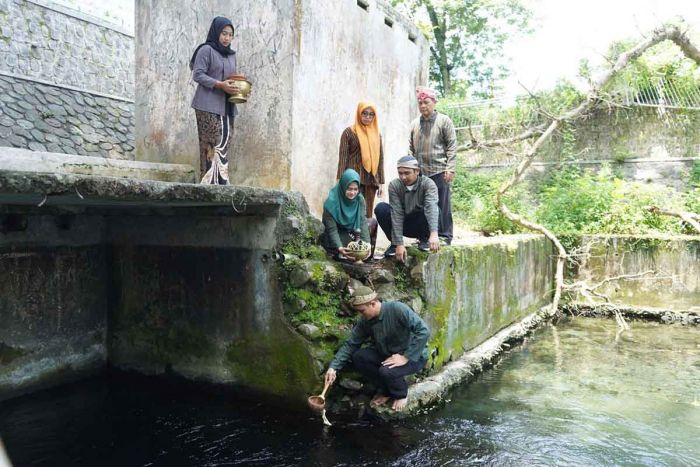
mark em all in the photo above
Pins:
pixel 318 403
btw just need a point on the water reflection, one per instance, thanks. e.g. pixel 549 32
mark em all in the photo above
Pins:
pixel 572 395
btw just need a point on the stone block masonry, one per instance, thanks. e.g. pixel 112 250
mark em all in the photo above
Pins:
pixel 66 81
pixel 48 118
pixel 42 40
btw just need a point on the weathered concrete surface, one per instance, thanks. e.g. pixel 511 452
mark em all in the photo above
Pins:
pixel 69 189
pixel 150 276
pixel 46 40
pixel 24 160
pixel 358 58
pixel 472 291
pixel 188 311
pixel 675 262
pixel 635 141
pixel 53 311
pixel 53 300
pixel 166 129
pixel 307 79
pixel 645 313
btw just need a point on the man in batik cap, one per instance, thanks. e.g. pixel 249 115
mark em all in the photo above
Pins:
pixel 433 142
pixel 412 210
pixel 397 347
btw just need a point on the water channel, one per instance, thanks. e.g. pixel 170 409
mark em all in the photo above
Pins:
pixel 574 394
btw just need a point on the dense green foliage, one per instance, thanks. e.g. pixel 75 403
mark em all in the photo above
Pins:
pixel 474 202
pixel 466 39
pixel 693 194
pixel 574 201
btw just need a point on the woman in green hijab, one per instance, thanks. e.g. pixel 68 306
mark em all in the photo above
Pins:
pixel 344 215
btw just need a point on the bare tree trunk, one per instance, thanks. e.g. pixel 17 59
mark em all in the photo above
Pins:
pixel 440 52
pixel 666 32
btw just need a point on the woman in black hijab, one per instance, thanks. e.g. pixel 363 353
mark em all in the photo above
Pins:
pixel 211 63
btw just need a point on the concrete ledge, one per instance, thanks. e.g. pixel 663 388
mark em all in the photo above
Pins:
pixel 25 160
pixel 49 189
pixel 690 317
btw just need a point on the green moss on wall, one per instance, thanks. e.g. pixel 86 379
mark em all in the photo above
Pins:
pixel 277 363
pixel 440 349
pixel 9 353
pixel 169 344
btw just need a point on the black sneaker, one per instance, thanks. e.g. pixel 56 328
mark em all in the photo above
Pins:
pixel 423 245
pixel 391 251
pixel 444 241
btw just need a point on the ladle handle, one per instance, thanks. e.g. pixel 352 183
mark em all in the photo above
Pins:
pixel 325 388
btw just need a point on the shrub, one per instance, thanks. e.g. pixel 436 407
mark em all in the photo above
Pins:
pixel 571 201
pixel 474 201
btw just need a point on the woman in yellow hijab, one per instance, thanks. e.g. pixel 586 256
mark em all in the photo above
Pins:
pixel 361 150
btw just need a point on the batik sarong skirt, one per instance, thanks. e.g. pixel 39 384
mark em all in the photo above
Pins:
pixel 215 136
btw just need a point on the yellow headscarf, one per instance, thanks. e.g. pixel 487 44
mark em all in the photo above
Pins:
pixel 369 138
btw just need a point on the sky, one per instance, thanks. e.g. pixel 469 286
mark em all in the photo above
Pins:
pixel 565 31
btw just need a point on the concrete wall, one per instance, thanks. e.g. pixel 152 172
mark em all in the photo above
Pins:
pixel 53 299
pixel 675 261
pixel 346 54
pixel 472 291
pixel 310 63
pixel 148 276
pixel 66 81
pixel 166 125
pixel 636 142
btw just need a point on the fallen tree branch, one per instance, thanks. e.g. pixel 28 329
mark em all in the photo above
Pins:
pixel 590 291
pixel 665 32
pixel 689 217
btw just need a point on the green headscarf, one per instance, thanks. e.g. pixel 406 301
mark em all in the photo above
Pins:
pixel 346 212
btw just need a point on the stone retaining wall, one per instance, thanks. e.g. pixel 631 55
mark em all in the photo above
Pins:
pixel 672 265
pixel 48 118
pixel 42 40
pixel 66 81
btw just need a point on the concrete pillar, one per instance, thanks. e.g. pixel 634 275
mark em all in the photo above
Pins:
pixel 310 61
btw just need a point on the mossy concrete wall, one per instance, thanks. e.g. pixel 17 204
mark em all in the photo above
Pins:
pixel 53 299
pixel 671 264
pixel 635 142
pixel 472 291
pixel 147 276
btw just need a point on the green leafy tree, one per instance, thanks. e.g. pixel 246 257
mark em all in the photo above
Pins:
pixel 466 40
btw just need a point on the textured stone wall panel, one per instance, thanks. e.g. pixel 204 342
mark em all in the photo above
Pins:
pixel 49 118
pixel 52 46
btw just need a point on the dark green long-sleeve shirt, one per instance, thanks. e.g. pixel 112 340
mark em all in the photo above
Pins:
pixel 397 329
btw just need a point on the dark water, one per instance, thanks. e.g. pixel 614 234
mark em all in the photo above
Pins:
pixel 575 394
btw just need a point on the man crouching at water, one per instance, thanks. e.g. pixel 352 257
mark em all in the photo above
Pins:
pixel 398 338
